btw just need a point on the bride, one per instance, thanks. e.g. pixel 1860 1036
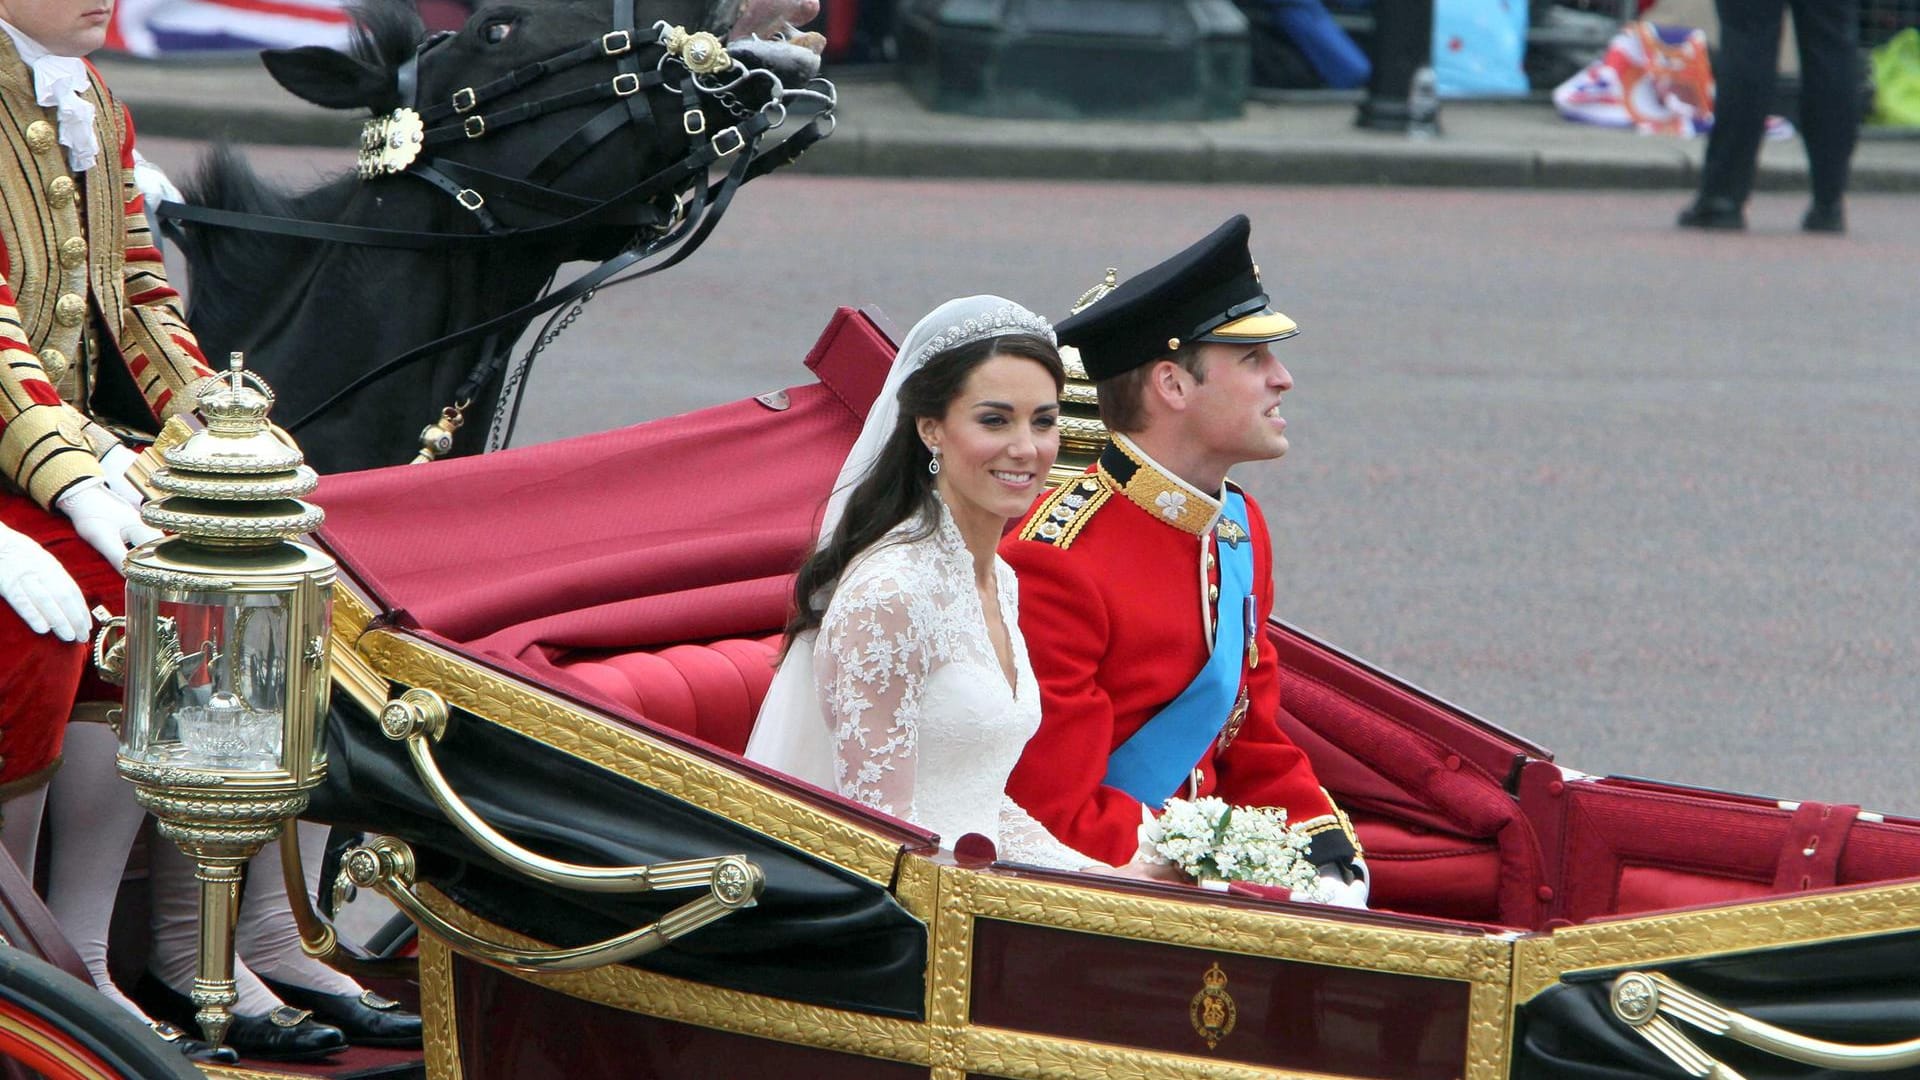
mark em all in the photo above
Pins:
pixel 905 684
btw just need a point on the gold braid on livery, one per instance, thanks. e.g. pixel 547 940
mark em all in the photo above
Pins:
pixel 81 283
pixel 1062 514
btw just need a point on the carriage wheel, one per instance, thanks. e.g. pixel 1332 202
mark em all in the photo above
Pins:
pixel 63 1029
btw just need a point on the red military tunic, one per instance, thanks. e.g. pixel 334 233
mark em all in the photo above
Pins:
pixel 1115 570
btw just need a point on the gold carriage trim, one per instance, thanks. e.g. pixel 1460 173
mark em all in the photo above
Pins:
pixel 1060 517
pixel 629 752
pixel 1541 961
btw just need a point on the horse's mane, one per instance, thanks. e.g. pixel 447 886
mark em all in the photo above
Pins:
pixel 230 266
pixel 386 31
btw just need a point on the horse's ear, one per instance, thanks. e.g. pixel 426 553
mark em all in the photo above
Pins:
pixel 332 78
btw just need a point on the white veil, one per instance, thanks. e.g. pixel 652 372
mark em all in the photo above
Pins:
pixel 791 731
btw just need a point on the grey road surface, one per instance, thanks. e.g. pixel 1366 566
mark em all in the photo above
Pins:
pixel 1647 498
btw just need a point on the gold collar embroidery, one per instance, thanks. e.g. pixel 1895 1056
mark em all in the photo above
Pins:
pixel 1166 497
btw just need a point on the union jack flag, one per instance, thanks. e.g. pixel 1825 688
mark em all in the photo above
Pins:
pixel 174 27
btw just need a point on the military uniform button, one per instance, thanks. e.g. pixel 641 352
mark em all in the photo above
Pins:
pixel 61 191
pixel 70 309
pixel 1213 592
pixel 71 428
pixel 54 363
pixel 40 136
pixel 73 252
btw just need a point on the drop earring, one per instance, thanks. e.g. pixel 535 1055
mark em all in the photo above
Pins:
pixel 933 463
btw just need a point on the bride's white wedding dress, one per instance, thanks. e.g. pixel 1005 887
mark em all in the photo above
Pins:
pixel 924 724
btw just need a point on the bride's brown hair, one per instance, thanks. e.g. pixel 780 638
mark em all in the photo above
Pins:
pixel 899 487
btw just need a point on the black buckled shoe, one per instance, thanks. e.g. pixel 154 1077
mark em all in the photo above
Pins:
pixel 1713 212
pixel 196 1050
pixel 367 1018
pixel 283 1034
pixel 1825 218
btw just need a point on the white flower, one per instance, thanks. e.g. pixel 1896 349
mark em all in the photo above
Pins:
pixel 1209 839
pixel 1170 503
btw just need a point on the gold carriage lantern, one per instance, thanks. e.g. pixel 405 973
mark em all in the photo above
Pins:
pixel 225 657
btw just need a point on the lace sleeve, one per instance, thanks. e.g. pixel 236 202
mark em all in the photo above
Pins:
pixel 870 665
pixel 1024 840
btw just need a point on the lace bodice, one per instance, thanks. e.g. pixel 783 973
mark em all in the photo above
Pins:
pixel 924 724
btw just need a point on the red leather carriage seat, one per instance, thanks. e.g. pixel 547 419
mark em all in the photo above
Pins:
pixel 711 691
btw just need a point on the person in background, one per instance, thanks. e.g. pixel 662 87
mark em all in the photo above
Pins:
pixel 1745 73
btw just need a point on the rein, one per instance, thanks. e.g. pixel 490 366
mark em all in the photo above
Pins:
pixel 401 142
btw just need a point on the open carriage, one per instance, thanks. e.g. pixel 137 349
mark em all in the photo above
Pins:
pixel 547 661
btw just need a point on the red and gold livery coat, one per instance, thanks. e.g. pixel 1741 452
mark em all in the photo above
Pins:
pixel 1118 584
pixel 81 286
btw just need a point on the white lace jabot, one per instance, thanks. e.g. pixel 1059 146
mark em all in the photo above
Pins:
pixel 924 724
pixel 61 82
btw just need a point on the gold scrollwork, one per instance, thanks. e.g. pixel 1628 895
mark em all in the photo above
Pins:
pixel 1540 961
pixel 167 775
pixel 175 581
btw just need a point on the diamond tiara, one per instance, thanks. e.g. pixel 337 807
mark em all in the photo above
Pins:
pixel 1011 319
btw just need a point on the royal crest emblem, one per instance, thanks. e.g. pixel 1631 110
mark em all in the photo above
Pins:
pixel 1212 1010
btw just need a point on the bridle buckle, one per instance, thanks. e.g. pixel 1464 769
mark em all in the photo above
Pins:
pixel 464 99
pixel 626 84
pixel 475 126
pixel 615 42
pixel 731 148
pixel 694 122
pixel 470 199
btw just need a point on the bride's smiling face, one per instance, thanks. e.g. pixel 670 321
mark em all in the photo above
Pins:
pixel 998 438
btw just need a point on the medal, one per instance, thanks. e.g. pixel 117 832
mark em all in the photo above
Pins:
pixel 1253 634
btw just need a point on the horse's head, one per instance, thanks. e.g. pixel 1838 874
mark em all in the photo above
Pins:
pixel 541 111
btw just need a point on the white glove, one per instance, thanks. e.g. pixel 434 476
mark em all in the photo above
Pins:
pixel 113 471
pixel 40 590
pixel 153 182
pixel 1336 890
pixel 101 519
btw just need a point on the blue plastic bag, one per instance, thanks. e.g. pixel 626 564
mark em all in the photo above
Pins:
pixel 1480 47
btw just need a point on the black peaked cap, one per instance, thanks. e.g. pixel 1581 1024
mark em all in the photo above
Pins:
pixel 1209 292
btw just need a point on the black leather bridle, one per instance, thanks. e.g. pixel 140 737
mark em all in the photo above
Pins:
pixel 675 207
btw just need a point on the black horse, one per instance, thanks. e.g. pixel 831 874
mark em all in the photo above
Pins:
pixel 542 132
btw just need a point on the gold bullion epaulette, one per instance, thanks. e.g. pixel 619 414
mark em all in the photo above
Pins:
pixel 1062 515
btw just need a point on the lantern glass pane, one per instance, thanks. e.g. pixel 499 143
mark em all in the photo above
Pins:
pixel 219 687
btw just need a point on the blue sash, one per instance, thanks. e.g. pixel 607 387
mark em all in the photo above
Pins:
pixel 1153 763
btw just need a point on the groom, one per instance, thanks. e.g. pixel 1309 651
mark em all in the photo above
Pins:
pixel 1144 585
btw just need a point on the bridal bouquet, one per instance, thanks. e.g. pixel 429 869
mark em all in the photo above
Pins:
pixel 1211 840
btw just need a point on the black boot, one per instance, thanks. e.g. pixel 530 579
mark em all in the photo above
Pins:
pixel 283 1034
pixel 1713 212
pixel 196 1050
pixel 367 1018
pixel 1825 217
